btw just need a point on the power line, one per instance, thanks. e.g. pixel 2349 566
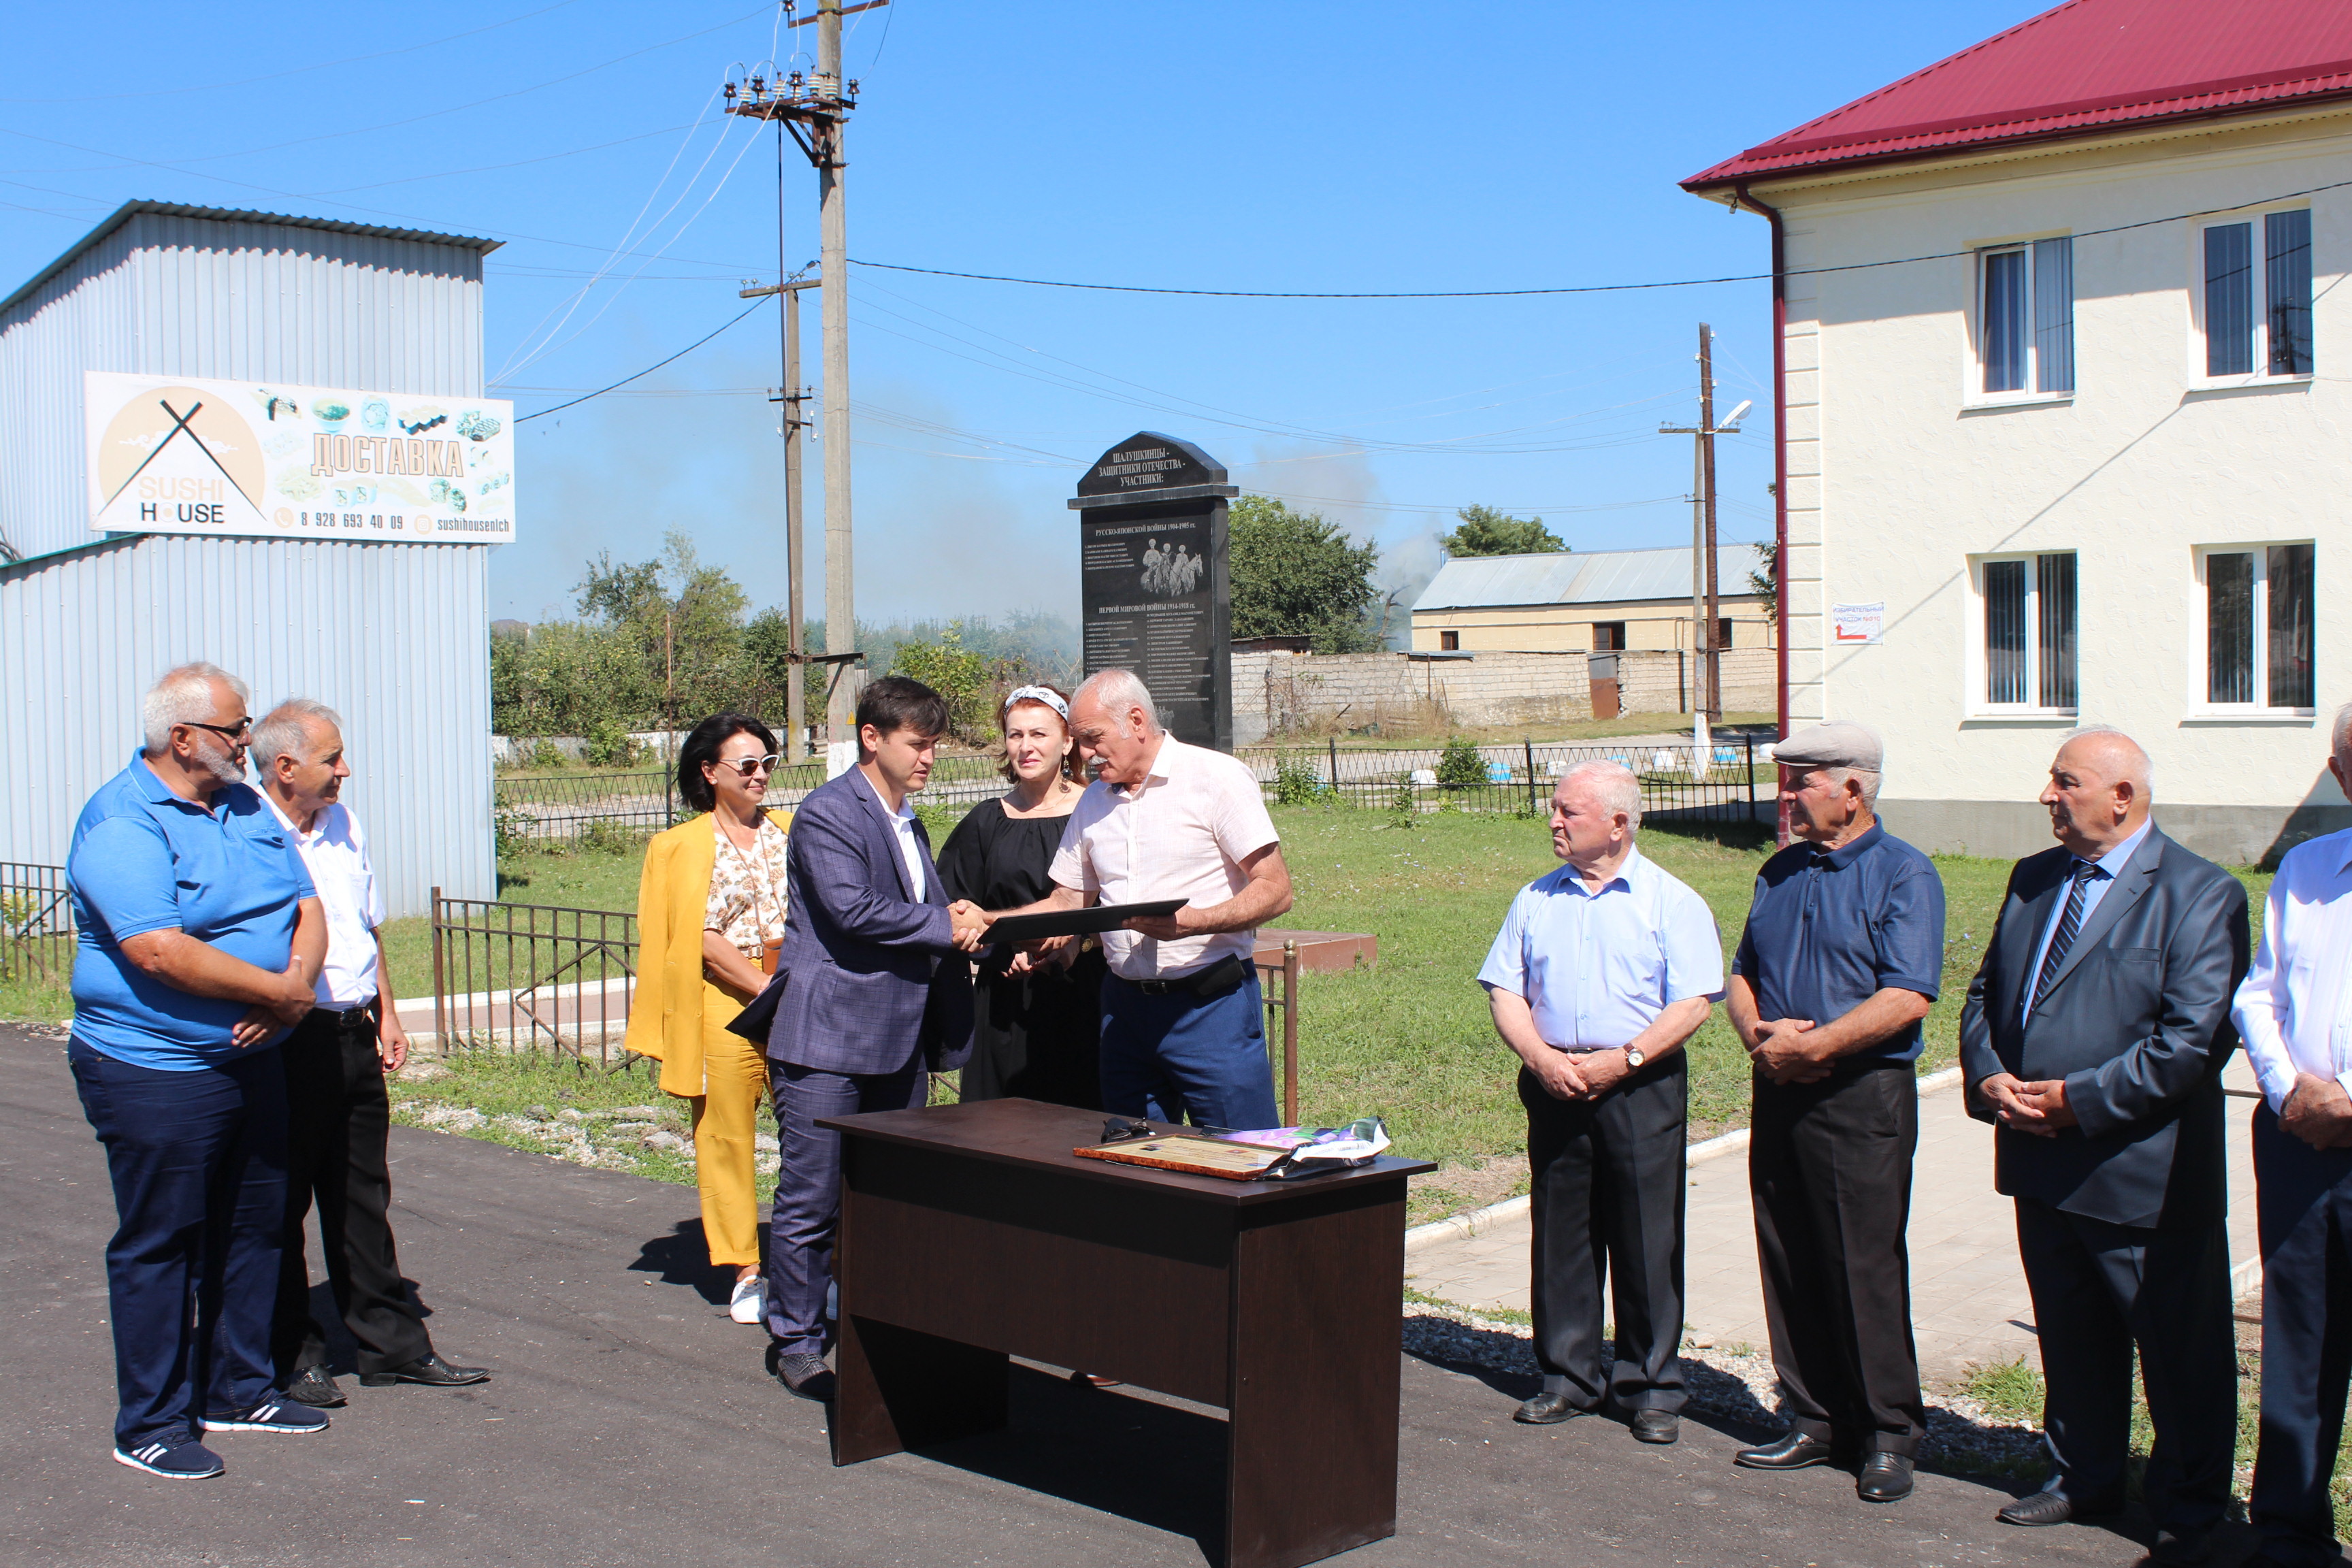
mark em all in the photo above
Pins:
pixel 626 379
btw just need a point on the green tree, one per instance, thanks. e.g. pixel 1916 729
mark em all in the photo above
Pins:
pixel 1489 531
pixel 684 621
pixel 956 673
pixel 1296 574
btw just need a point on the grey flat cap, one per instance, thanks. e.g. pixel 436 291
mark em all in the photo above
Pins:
pixel 1839 744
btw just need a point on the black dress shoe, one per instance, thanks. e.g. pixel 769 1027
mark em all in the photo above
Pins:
pixel 313 1387
pixel 1885 1478
pixel 2183 1548
pixel 1546 1409
pixel 1656 1426
pixel 805 1374
pixel 2055 1508
pixel 1790 1451
pixel 429 1369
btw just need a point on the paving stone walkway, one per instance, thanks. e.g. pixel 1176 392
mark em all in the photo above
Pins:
pixel 1970 1301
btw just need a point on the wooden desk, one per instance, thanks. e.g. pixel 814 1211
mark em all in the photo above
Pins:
pixel 970 1234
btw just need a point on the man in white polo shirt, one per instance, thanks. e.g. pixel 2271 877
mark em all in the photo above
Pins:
pixel 339 1117
pixel 1183 1032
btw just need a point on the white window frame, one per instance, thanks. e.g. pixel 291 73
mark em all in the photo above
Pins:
pixel 2199 381
pixel 1977 703
pixel 1972 391
pixel 2200 706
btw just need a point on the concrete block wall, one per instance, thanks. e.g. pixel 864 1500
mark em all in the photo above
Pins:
pixel 1659 681
pixel 1288 693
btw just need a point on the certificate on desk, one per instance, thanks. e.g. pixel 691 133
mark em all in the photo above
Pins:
pixel 1194 1156
pixel 1076 922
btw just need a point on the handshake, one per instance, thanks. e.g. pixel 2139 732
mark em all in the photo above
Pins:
pixel 969 923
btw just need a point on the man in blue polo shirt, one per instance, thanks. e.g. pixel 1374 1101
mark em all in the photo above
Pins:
pixel 1842 953
pixel 201 937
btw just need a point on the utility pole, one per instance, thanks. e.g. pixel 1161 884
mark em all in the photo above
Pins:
pixel 1706 607
pixel 821 102
pixel 791 394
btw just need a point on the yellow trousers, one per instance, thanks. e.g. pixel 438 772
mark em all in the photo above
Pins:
pixel 726 1123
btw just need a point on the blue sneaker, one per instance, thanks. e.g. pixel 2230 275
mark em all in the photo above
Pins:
pixel 175 1457
pixel 272 1415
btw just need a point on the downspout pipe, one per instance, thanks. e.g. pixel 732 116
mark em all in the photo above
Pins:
pixel 1740 198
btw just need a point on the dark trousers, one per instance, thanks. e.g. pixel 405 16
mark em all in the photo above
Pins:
pixel 2303 1196
pixel 198 1165
pixel 1608 1189
pixel 1829 1165
pixel 1175 1056
pixel 2098 1287
pixel 338 1121
pixel 808 1187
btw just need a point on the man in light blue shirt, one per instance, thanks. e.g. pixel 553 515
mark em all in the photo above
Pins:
pixel 1600 973
pixel 201 936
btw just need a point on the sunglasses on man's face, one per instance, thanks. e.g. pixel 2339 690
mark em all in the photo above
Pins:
pixel 744 767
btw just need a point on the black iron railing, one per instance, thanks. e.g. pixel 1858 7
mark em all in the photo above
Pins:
pixel 531 977
pixel 1718 783
pixel 36 923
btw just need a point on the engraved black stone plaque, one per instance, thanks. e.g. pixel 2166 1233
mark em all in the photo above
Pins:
pixel 1151 531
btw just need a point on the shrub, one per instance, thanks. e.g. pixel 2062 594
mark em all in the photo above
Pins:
pixel 606 837
pixel 1460 764
pixel 1295 782
pixel 511 831
pixel 1405 808
pixel 547 756
pixel 610 746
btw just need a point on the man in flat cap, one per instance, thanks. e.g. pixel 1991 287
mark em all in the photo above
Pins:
pixel 1842 953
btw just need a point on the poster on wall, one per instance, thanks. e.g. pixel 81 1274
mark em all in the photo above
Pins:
pixel 1853 626
pixel 180 456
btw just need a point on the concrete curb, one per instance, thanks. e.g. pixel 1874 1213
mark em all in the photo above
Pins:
pixel 1463 1225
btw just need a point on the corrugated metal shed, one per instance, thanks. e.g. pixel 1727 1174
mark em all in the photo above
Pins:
pixel 2087 67
pixel 394 636
pixel 1577 577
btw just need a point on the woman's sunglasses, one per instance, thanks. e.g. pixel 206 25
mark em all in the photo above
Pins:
pixel 744 767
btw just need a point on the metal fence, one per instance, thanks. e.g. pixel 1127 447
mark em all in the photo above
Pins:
pixel 1511 776
pixel 524 977
pixel 1718 785
pixel 36 925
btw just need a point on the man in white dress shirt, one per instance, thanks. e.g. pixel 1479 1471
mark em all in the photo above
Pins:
pixel 339 1117
pixel 1183 1030
pixel 2295 1016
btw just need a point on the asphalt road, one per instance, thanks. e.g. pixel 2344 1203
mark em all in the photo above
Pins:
pixel 629 1422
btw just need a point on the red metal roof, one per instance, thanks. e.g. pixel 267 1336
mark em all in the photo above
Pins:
pixel 2088 65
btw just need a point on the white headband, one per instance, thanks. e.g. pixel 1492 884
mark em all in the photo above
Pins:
pixel 1036 694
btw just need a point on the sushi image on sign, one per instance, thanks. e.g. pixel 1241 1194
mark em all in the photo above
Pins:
pixel 190 456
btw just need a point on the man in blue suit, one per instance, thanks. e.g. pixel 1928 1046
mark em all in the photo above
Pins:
pixel 856 1013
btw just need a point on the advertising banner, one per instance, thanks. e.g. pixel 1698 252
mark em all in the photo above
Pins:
pixel 180 456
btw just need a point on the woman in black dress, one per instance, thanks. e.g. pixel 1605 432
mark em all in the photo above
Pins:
pixel 1034 1028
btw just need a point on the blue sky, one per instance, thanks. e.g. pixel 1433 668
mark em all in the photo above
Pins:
pixel 1294 145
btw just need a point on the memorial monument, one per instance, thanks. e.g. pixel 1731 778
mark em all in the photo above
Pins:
pixel 1151 531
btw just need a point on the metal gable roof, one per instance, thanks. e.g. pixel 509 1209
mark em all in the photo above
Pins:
pixel 2087 67
pixel 131 209
pixel 1577 577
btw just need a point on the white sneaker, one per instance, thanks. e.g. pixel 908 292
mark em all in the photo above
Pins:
pixel 749 1302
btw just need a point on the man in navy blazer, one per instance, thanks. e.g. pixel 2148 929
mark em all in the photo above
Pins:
pixel 2093 1038
pixel 856 1011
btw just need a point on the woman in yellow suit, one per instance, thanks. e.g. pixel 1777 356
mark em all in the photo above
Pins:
pixel 711 921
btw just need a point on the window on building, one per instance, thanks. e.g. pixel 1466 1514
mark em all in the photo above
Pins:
pixel 1448 642
pixel 2257 309
pixel 1608 637
pixel 2025 314
pixel 1723 632
pixel 2030 641
pixel 2258 633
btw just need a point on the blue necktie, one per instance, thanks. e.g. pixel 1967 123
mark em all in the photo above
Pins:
pixel 2070 926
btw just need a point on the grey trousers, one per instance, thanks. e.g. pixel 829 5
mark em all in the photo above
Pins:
pixel 1608 1211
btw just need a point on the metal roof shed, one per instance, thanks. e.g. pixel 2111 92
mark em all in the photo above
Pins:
pixel 393 636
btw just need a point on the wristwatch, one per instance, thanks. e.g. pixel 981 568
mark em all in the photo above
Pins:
pixel 1635 1057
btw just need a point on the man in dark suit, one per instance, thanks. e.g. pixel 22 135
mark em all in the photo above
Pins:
pixel 869 925
pixel 2093 1038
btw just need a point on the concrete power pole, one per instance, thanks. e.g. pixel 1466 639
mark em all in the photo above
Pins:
pixel 821 102
pixel 1706 607
pixel 840 587
pixel 791 394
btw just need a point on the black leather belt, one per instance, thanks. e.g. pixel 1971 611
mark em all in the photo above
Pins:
pixel 359 1018
pixel 1222 978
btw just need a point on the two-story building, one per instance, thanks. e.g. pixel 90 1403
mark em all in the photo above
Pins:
pixel 2064 388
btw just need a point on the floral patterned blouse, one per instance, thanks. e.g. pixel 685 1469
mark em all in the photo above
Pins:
pixel 747 890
